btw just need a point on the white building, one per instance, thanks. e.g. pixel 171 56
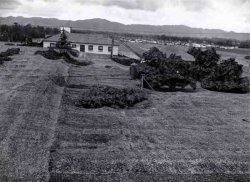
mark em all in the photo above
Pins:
pixel 89 43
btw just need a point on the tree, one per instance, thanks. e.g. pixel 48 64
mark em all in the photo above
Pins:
pixel 226 77
pixel 160 71
pixel 204 62
pixel 63 42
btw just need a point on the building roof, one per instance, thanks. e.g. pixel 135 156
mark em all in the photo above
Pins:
pixel 84 39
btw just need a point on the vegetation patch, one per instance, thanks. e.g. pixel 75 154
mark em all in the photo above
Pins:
pixel 4 56
pixel 54 55
pixel 160 71
pixel 125 60
pixel 100 96
pixel 49 54
pixel 226 77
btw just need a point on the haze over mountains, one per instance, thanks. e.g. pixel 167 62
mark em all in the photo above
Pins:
pixel 105 25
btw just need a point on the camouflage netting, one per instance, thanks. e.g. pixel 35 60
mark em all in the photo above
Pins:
pixel 100 96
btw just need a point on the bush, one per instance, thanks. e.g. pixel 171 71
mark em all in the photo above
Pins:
pixel 100 96
pixel 66 55
pixel 204 62
pixel 74 53
pixel 234 86
pixel 172 73
pixel 49 54
pixel 154 57
pixel 125 60
pixel 225 77
pixel 247 57
pixel 4 56
pixel 2 59
pixel 10 52
pixel 9 44
pixel 70 59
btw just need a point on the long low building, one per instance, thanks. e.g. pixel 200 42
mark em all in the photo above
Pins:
pixel 89 43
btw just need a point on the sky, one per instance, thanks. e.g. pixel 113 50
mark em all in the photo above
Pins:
pixel 229 15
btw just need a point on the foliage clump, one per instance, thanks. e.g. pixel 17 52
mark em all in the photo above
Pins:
pixel 223 77
pixel 49 54
pixel 160 71
pixel 4 56
pixel 154 57
pixel 63 43
pixel 204 62
pixel 226 77
pixel 66 55
pixel 125 60
pixel 100 96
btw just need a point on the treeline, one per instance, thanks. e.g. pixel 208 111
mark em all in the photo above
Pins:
pixel 20 33
pixel 245 44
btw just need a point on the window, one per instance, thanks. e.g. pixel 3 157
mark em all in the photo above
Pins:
pixel 109 49
pixel 73 45
pixel 90 48
pixel 52 44
pixel 100 48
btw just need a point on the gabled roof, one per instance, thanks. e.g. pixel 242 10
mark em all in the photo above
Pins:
pixel 84 39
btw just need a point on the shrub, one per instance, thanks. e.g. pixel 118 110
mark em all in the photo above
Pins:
pixel 50 54
pixel 100 96
pixel 247 57
pixel 9 44
pixel 154 57
pixel 54 55
pixel 74 53
pixel 174 72
pixel 225 77
pixel 4 56
pixel 2 59
pixel 10 52
pixel 204 62
pixel 125 60
pixel 70 59
pixel 234 86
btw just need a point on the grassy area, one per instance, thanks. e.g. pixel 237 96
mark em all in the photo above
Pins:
pixel 188 136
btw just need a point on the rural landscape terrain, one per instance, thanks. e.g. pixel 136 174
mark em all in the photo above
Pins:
pixel 184 135
pixel 124 91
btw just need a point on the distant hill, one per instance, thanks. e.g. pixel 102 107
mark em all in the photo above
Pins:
pixel 105 25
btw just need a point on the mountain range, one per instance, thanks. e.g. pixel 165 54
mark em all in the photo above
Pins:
pixel 98 24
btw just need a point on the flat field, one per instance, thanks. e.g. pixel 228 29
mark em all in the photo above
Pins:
pixel 172 136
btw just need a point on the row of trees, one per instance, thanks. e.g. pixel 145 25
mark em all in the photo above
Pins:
pixel 20 33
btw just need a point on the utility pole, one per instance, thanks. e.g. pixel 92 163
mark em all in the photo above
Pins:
pixel 112 47
pixel 142 79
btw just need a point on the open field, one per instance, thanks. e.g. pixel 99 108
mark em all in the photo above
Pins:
pixel 172 136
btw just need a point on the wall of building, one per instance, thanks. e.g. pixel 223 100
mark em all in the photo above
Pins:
pixel 94 51
pixel 47 44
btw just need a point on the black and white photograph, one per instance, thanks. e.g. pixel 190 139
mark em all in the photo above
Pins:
pixel 124 90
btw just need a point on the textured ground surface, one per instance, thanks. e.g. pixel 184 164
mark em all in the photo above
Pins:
pixel 188 136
